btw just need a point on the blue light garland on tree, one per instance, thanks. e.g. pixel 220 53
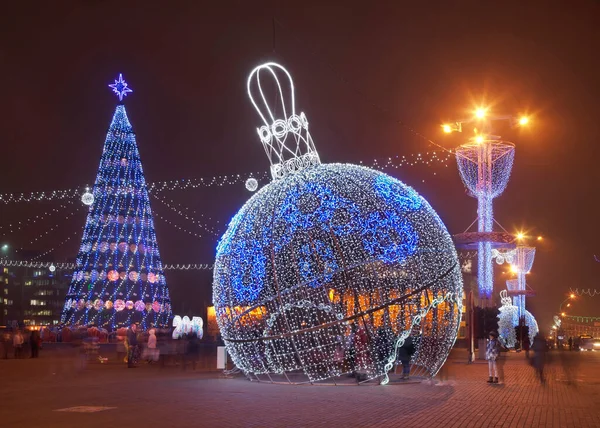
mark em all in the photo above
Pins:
pixel 119 276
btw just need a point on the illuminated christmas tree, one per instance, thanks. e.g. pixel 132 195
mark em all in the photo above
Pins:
pixel 119 277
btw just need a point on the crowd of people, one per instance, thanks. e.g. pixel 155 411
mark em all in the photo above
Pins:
pixel 16 343
pixel 142 348
pixel 539 360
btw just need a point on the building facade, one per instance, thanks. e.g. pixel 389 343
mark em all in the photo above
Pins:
pixel 32 296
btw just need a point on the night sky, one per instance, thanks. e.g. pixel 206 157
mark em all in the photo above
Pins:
pixel 367 75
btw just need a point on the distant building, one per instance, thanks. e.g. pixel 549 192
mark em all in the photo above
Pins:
pixel 575 326
pixel 32 296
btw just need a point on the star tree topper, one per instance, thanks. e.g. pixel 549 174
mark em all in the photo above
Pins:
pixel 120 87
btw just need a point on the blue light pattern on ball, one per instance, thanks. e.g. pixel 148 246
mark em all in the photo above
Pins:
pixel 306 252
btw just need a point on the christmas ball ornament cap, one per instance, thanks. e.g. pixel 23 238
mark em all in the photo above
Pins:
pixel 284 135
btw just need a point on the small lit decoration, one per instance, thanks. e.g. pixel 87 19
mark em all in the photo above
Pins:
pixel 251 184
pixel 508 318
pixel 521 260
pixel 120 87
pixel 184 326
pixel 330 267
pixel 119 221
pixel 87 198
pixel 140 306
pixel 52 268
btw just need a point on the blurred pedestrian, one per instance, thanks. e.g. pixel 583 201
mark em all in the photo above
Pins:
pixel 540 348
pixel 405 352
pixel 192 350
pixel 151 349
pixel 132 342
pixel 18 344
pixel 570 343
pixel 34 340
pixel 6 343
pixel 492 351
pixel 526 345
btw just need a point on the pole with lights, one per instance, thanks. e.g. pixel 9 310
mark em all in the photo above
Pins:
pixel 485 163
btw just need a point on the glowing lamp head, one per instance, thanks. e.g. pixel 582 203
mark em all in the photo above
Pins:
pixel 562 314
pixel 520 236
pixel 447 128
pixel 479 139
pixel 514 269
pixel 572 296
pixel 480 113
pixel 523 121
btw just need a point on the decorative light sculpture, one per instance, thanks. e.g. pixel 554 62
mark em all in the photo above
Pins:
pixel 330 267
pixel 508 319
pixel 521 261
pixel 485 167
pixel 118 261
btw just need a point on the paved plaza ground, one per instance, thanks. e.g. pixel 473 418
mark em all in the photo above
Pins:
pixel 43 393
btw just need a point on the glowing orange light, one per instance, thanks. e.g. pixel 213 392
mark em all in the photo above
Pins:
pixel 480 113
pixel 514 269
pixel 447 129
pixel 523 121
pixel 572 296
pixel 479 139
pixel 540 238
pixel 520 235
pixel 563 314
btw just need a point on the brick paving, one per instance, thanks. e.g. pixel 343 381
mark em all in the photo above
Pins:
pixel 31 392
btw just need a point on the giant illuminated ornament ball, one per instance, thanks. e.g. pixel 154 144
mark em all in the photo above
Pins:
pixel 330 267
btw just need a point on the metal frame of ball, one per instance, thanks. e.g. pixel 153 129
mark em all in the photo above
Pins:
pixel 429 364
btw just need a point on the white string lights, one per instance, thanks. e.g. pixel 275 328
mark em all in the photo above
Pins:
pixel 71 266
pixel 330 267
pixel 177 208
pixel 429 159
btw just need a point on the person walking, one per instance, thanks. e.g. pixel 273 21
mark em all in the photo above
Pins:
pixel 34 340
pixel 192 350
pixel 405 352
pixel 526 345
pixel 540 348
pixel 18 344
pixel 133 346
pixel 6 344
pixel 491 354
pixel 151 350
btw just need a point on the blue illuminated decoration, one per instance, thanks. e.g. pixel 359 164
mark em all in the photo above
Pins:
pixel 330 268
pixel 119 275
pixel 120 87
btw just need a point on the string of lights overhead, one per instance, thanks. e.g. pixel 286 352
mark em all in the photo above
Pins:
pixel 18 225
pixel 70 266
pixel 178 211
pixel 430 158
